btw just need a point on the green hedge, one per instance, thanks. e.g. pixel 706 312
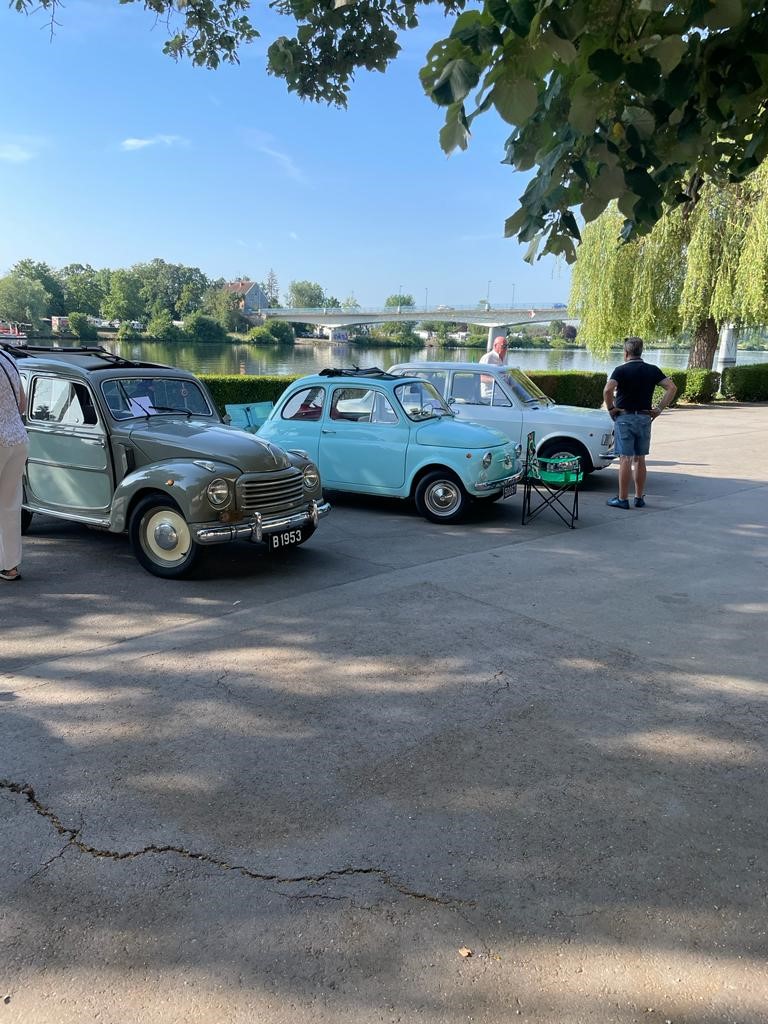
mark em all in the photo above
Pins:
pixel 700 386
pixel 746 383
pixel 240 390
pixel 567 387
pixel 571 387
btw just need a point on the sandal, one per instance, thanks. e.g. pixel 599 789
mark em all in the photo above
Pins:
pixel 10 575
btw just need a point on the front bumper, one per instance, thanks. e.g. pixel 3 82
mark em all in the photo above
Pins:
pixel 259 526
pixel 496 485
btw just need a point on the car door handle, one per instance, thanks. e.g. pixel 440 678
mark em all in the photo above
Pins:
pixel 94 440
pixel 324 431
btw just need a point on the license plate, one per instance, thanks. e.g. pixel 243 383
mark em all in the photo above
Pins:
pixel 509 490
pixel 286 539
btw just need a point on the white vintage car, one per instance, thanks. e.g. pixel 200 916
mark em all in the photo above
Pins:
pixel 505 398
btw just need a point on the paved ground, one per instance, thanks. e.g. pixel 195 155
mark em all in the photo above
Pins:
pixel 293 789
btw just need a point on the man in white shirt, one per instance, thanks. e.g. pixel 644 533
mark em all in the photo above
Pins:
pixel 495 357
pixel 498 353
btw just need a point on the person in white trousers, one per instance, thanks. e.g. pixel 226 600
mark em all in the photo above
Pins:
pixel 13 456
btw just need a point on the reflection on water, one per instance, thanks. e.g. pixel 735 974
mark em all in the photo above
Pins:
pixel 309 357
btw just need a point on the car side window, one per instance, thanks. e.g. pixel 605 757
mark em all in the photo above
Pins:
pixel 62 401
pixel 436 378
pixel 306 404
pixel 382 410
pixel 499 398
pixel 467 389
pixel 355 404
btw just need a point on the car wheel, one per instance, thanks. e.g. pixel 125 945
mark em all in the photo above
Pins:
pixel 567 449
pixel 440 497
pixel 26 519
pixel 161 539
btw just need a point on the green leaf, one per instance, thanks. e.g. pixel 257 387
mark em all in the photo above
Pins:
pixel 592 207
pixel 562 48
pixel 726 14
pixel 606 64
pixel 583 113
pixel 458 78
pixel 515 99
pixel 513 224
pixel 609 183
pixel 454 133
pixel 641 119
pixel 645 75
pixel 669 52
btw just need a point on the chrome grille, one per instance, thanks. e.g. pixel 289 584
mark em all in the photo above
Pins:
pixel 273 493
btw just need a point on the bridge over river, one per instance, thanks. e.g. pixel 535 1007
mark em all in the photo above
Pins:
pixel 494 318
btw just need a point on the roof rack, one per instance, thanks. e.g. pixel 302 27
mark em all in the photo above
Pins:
pixel 355 371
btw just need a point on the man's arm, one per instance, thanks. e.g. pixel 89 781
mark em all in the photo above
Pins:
pixel 609 397
pixel 670 390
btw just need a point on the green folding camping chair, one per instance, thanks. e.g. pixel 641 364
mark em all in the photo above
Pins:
pixel 555 481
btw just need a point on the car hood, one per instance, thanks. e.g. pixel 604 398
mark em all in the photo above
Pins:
pixel 598 419
pixel 454 433
pixel 166 437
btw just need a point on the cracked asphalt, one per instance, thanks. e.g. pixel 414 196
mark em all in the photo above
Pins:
pixel 406 773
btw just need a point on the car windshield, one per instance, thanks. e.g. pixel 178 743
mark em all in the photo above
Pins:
pixel 524 389
pixel 129 397
pixel 420 400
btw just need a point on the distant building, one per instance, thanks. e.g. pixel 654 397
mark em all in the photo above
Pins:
pixel 252 297
pixel 59 324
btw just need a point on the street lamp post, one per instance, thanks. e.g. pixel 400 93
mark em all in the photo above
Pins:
pixel 513 293
pixel 426 299
pixel 399 298
pixel 488 296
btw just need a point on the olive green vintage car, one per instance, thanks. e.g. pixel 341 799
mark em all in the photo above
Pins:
pixel 140 448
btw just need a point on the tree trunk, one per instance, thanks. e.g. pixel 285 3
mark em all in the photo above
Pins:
pixel 704 345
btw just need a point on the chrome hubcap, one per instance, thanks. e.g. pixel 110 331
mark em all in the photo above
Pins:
pixel 443 498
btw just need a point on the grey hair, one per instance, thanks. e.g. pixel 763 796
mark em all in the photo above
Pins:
pixel 633 347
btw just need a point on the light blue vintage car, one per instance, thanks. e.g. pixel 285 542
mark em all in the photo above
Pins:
pixel 373 433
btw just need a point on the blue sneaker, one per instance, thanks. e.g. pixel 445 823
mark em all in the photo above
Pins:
pixel 618 503
pixel 640 502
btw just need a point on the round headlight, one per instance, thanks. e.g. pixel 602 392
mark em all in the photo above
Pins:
pixel 311 478
pixel 487 459
pixel 218 492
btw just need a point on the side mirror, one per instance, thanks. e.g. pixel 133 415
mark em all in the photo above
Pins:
pixel 226 418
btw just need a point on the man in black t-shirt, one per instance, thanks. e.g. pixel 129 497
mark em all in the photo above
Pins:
pixel 628 398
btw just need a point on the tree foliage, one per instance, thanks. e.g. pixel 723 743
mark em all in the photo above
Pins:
pixel 305 295
pixel 23 299
pixel 690 274
pixel 205 31
pixel 81 327
pixel 37 271
pixel 82 289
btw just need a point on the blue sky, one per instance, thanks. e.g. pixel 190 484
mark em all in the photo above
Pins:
pixel 112 154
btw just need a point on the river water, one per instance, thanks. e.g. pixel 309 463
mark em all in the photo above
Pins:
pixel 309 356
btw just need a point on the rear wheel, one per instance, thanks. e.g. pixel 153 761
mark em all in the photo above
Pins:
pixel 161 539
pixel 440 497
pixel 567 449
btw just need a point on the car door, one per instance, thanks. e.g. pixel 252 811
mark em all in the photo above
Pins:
pixel 363 441
pixel 480 396
pixel 69 467
pixel 296 423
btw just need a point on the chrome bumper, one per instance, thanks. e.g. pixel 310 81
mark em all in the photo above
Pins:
pixel 496 485
pixel 258 526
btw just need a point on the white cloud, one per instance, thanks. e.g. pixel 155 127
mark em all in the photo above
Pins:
pixel 15 153
pixel 293 235
pixel 129 145
pixel 284 161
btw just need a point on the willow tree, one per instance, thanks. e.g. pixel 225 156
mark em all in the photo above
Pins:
pixel 692 273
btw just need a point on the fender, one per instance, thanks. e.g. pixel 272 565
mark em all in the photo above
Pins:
pixel 183 480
